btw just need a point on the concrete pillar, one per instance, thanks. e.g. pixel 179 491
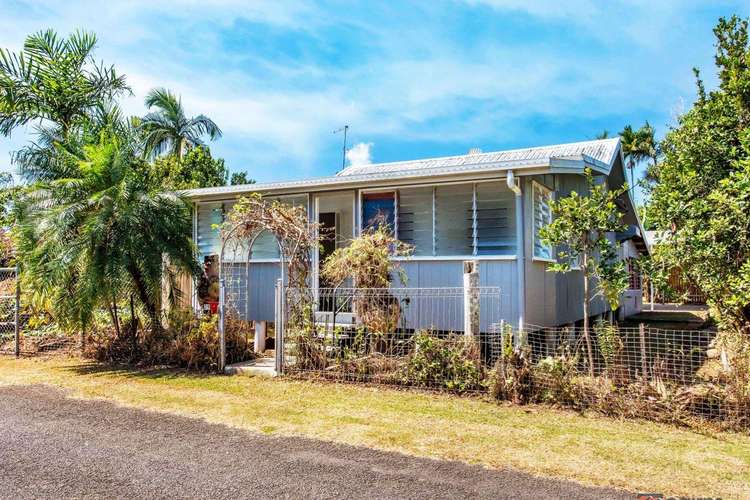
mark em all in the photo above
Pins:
pixel 260 336
pixel 471 298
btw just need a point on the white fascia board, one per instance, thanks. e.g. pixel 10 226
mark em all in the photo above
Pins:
pixel 370 180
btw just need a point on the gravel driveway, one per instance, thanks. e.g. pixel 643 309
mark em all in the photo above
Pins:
pixel 53 446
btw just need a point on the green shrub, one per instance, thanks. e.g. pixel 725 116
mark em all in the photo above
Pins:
pixel 554 379
pixel 610 343
pixel 511 377
pixel 452 363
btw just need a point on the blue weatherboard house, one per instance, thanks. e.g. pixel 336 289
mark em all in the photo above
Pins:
pixel 485 207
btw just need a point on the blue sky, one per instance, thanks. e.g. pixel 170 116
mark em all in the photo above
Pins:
pixel 412 79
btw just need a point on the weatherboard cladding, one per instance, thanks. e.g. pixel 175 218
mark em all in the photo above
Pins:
pixel 599 151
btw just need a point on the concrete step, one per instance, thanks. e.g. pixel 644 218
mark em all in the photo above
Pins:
pixel 263 367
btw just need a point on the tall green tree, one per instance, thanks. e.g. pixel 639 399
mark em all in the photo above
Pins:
pixel 168 130
pixel 56 85
pixel 54 79
pixel 579 230
pixel 197 169
pixel 635 147
pixel 701 197
pixel 241 178
pixel 101 236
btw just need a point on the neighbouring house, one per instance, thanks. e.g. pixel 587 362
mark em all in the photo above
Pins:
pixel 485 207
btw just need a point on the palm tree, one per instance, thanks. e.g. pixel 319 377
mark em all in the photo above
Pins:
pixel 652 148
pixel 168 129
pixel 55 85
pixel 634 148
pixel 100 236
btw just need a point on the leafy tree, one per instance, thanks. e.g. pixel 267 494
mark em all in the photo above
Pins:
pixel 196 169
pixel 54 79
pixel 701 197
pixel 241 178
pixel 102 235
pixel 168 130
pixel 579 229
pixel 55 85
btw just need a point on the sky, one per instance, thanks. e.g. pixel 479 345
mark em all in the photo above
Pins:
pixel 411 79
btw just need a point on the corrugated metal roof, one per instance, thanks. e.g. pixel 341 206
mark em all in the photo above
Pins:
pixel 602 150
pixel 599 152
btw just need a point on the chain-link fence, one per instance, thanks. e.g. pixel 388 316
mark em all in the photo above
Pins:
pixel 442 338
pixel 9 312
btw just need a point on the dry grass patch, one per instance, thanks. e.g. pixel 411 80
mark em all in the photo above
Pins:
pixel 638 456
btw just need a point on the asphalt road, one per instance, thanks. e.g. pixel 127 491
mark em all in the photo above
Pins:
pixel 56 447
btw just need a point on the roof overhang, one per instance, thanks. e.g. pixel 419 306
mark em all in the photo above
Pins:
pixel 426 176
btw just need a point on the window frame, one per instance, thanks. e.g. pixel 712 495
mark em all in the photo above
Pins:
pixel 471 256
pixel 549 194
pixel 223 203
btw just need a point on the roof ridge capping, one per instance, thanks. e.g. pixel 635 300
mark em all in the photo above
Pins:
pixel 595 149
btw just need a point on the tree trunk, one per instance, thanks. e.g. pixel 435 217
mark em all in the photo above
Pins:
pixel 115 323
pixel 148 303
pixel 133 317
pixel 586 335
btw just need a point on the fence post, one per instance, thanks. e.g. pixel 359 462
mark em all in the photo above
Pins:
pixel 260 337
pixel 471 298
pixel 279 327
pixel 642 335
pixel 651 293
pixel 17 315
pixel 222 340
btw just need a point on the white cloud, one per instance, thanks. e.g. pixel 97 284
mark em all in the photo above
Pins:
pixel 359 154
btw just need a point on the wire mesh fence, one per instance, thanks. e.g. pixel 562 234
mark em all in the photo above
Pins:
pixel 442 338
pixel 389 335
pixel 683 376
pixel 9 340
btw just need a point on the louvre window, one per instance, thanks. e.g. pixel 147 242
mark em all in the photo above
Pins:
pixel 265 246
pixel 209 241
pixel 212 215
pixel 454 215
pixel 415 219
pixel 542 217
pixel 454 220
pixel 495 220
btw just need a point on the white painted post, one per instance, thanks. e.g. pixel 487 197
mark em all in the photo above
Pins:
pixel 260 337
pixel 471 298
pixel 651 293
pixel 279 326
pixel 222 342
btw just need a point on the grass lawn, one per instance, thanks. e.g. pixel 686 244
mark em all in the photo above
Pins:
pixel 638 456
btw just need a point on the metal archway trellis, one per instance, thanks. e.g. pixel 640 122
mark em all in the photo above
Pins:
pixel 294 236
pixel 223 282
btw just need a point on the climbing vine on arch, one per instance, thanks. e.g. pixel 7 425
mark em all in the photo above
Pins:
pixel 296 235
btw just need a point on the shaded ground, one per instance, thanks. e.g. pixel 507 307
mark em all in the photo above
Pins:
pixel 671 317
pixel 53 446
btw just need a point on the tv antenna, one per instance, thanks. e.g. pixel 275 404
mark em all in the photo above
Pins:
pixel 343 129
